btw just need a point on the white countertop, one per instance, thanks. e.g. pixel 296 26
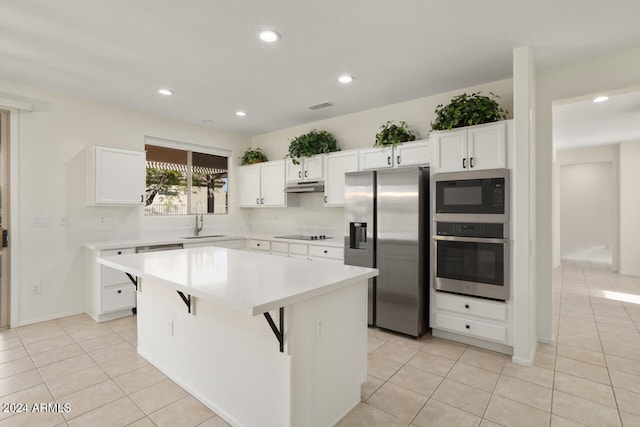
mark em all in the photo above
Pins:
pixel 252 283
pixel 337 241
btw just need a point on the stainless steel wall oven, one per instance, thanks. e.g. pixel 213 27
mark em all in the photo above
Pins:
pixel 472 259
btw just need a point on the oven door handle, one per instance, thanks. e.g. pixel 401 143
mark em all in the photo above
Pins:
pixel 471 239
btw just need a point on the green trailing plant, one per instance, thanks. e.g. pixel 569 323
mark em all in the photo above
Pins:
pixel 468 110
pixel 313 142
pixel 253 155
pixel 394 134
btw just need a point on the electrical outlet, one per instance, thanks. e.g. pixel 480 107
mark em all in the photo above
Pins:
pixel 35 288
pixel 319 328
pixel 170 328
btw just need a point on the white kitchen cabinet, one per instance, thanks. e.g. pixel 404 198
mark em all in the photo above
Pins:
pixel 258 245
pixel 471 148
pixel 262 185
pixel 298 250
pixel 109 294
pixel 471 316
pixel 115 176
pixel 326 253
pixel 376 158
pixel 280 249
pixel 307 169
pixel 336 165
pixel 406 154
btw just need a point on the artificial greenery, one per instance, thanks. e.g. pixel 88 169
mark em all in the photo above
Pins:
pixel 468 110
pixel 394 134
pixel 313 142
pixel 253 155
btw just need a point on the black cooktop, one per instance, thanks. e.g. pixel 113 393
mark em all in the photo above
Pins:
pixel 305 237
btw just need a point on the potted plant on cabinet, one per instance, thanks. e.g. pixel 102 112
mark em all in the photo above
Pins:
pixel 468 110
pixel 253 155
pixel 394 134
pixel 313 142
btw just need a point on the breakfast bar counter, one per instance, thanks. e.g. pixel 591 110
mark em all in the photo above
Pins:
pixel 261 340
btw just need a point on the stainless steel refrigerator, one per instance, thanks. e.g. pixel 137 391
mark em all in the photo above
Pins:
pixel 387 227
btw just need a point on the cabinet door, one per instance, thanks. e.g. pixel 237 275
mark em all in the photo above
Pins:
pixel 110 276
pixel 487 147
pixel 451 151
pixel 313 168
pixel 376 158
pixel 273 184
pixel 119 176
pixel 294 172
pixel 249 184
pixel 412 153
pixel 336 165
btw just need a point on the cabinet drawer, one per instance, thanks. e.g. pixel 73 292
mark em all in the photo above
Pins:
pixel 472 327
pixel 258 245
pixel 119 298
pixel 111 276
pixel 298 249
pixel 326 252
pixel 280 248
pixel 473 306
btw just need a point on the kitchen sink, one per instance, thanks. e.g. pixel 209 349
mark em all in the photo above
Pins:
pixel 208 236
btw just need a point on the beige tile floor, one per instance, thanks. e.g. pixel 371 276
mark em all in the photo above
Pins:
pixel 591 377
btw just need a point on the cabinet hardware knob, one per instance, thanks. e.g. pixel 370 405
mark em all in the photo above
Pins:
pixel 119 252
pixel 467 326
pixel 398 159
pixel 257 244
pixel 325 251
pixel 466 306
pixel 141 198
pixel 389 160
pixel 299 174
pixel 470 162
pixel 120 291
pixel 325 199
pixel 258 201
pixel 464 163
pixel 262 201
pixel 306 174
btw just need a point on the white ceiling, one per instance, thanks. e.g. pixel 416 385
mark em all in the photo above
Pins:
pixel 585 123
pixel 207 52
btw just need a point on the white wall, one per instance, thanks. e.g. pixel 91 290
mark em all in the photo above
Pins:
pixel 615 71
pixel 630 208
pixel 53 139
pixel 359 130
pixel 586 208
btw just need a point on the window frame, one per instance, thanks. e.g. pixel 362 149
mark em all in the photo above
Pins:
pixel 190 149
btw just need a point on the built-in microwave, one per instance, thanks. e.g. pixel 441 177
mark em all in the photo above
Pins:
pixel 472 196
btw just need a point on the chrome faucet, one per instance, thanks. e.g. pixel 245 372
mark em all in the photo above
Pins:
pixel 199 219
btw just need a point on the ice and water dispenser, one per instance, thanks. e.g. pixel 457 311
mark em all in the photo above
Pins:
pixel 358 235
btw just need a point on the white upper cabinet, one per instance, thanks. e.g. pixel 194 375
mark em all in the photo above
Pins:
pixel 473 148
pixel 406 154
pixel 262 184
pixel 336 165
pixel 412 153
pixel 116 176
pixel 308 169
pixel 249 180
pixel 376 158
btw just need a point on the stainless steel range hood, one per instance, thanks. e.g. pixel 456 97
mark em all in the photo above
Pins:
pixel 305 187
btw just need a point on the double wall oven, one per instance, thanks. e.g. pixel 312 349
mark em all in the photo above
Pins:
pixel 471 233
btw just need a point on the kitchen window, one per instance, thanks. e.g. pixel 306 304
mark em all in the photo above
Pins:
pixel 181 178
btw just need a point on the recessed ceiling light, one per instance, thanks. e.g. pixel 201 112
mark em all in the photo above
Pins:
pixel 600 99
pixel 165 92
pixel 240 113
pixel 268 36
pixel 345 78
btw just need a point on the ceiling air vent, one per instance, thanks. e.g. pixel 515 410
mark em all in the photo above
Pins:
pixel 319 106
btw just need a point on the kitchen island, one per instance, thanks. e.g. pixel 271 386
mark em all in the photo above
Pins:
pixel 261 340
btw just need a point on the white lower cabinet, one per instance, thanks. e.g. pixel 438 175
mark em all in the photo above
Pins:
pixel 326 253
pixel 279 248
pixel 258 245
pixel 110 294
pixel 472 316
